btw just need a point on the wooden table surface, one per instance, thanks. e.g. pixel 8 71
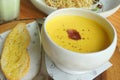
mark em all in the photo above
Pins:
pixel 27 10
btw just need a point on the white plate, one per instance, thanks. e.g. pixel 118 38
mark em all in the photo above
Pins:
pixel 109 7
pixel 33 49
pixel 58 74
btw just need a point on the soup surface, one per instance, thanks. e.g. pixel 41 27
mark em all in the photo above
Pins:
pixel 77 33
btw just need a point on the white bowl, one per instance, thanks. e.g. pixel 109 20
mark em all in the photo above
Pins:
pixel 73 62
pixel 109 7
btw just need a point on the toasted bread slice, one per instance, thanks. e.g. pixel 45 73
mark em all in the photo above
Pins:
pixel 15 60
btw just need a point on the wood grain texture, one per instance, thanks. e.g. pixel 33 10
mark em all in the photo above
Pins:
pixel 27 10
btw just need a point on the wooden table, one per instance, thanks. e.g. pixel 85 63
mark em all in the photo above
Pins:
pixel 27 10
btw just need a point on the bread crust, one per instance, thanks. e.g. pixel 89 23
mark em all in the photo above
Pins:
pixel 15 59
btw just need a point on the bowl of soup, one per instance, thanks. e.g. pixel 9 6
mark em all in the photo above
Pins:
pixel 78 40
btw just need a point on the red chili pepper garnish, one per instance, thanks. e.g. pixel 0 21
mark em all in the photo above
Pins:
pixel 99 6
pixel 73 34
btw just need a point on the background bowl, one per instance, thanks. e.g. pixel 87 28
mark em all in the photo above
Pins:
pixel 73 62
pixel 109 7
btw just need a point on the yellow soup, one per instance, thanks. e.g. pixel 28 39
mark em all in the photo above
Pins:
pixel 77 33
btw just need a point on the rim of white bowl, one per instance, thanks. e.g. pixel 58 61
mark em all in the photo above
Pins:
pixel 114 40
pixel 101 13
